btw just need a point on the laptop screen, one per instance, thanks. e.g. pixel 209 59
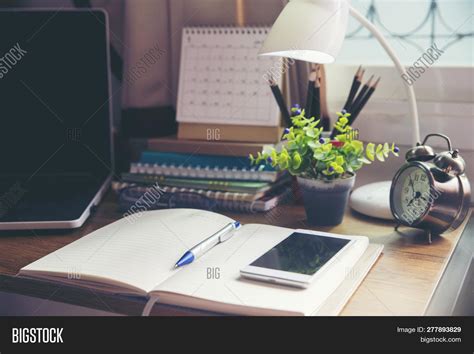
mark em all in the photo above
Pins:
pixel 55 132
pixel 54 95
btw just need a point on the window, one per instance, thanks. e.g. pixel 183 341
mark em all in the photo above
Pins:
pixel 444 92
pixel 411 27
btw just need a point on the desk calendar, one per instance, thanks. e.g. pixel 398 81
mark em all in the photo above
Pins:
pixel 223 80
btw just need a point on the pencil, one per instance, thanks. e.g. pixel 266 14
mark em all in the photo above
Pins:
pixel 361 93
pixel 309 97
pixel 354 87
pixel 281 102
pixel 364 101
pixel 360 96
pixel 323 106
pixel 316 112
pixel 319 113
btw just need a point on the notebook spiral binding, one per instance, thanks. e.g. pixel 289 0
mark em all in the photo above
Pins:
pixel 226 30
pixel 253 174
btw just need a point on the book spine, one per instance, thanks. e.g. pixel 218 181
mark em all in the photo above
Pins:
pixel 129 194
pixel 196 201
pixel 205 148
pixel 257 134
pixel 136 191
pixel 226 186
pixel 193 160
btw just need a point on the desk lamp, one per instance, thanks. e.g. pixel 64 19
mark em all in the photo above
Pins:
pixel 313 31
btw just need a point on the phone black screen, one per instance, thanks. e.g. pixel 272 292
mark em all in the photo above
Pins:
pixel 301 253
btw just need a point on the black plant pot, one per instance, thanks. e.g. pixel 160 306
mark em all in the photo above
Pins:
pixel 325 201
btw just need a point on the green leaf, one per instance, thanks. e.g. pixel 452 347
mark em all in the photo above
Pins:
pixel 310 132
pixel 356 166
pixel 370 151
pixel 274 155
pixel 337 168
pixel 357 145
pixel 318 155
pixel 328 158
pixel 341 137
pixel 328 173
pixel 283 164
pixel 379 153
pixel 327 147
pixel 386 150
pixel 297 160
pixel 313 144
pixel 365 161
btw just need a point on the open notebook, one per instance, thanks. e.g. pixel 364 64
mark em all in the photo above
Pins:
pixel 136 255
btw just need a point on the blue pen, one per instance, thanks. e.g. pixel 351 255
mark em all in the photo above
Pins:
pixel 197 251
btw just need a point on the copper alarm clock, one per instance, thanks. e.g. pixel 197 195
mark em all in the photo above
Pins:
pixel 431 191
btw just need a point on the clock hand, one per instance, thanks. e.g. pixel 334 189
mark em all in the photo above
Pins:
pixel 412 185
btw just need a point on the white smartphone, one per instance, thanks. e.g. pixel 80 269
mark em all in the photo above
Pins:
pixel 300 258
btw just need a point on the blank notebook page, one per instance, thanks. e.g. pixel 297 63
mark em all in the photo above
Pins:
pixel 223 80
pixel 249 243
pixel 139 251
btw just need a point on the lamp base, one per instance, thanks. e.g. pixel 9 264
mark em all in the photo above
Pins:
pixel 373 200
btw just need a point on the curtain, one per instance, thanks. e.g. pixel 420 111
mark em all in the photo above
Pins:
pixel 147 36
pixel 157 24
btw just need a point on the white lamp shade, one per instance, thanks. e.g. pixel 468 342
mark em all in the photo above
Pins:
pixel 309 30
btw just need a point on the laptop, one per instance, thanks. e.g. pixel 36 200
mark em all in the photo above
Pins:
pixel 56 154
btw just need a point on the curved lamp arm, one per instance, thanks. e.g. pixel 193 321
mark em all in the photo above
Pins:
pixel 410 91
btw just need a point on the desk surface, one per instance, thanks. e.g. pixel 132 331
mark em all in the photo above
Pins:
pixel 401 282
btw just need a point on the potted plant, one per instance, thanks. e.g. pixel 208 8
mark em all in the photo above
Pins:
pixel 325 168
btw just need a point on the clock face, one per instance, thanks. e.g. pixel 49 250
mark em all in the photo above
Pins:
pixel 411 197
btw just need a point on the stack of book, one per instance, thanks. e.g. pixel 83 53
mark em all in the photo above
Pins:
pixel 205 175
pixel 225 111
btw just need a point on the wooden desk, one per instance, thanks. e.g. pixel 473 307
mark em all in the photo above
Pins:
pixel 401 282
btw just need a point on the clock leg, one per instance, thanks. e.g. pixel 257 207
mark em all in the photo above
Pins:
pixel 397 227
pixel 429 236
